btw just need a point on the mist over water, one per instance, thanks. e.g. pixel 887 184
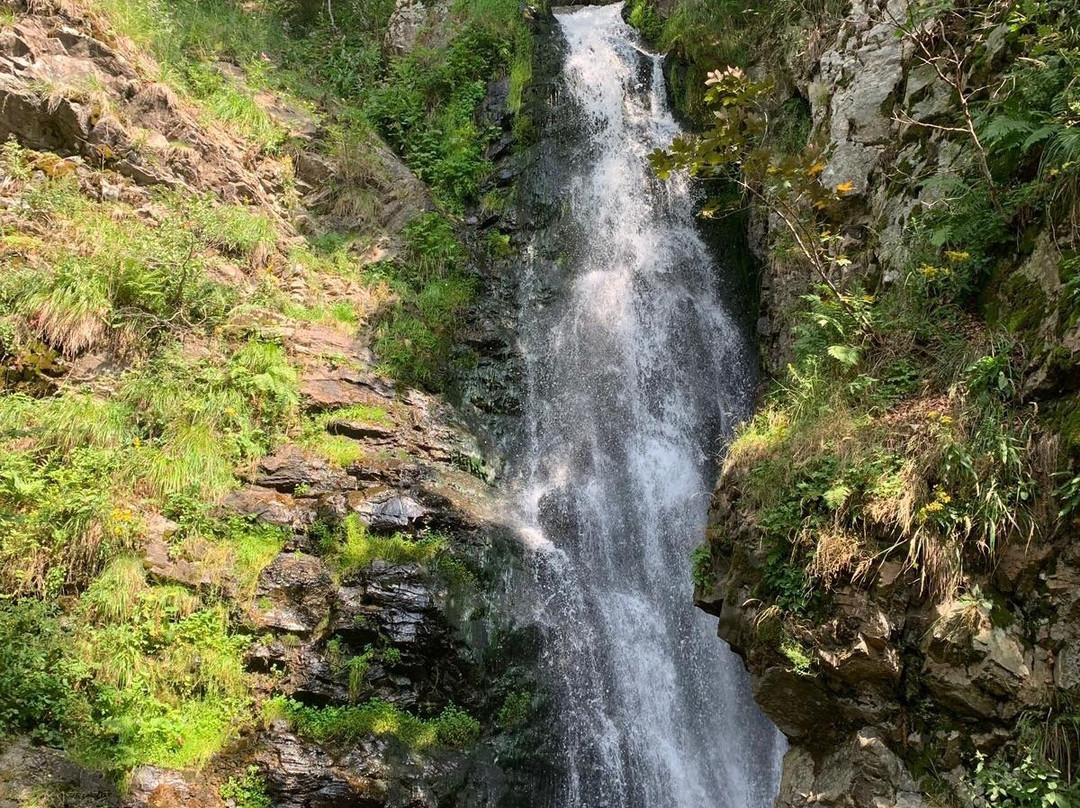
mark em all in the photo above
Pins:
pixel 635 371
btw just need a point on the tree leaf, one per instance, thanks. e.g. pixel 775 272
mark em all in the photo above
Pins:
pixel 845 354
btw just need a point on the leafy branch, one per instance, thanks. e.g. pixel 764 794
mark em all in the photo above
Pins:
pixel 788 186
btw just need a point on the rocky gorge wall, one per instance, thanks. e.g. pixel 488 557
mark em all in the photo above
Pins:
pixel 892 690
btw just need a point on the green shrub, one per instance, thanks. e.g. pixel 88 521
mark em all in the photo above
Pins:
pixel 643 16
pixel 425 108
pixel 246 791
pixel 701 566
pixel 59 519
pixel 516 710
pixel 1027 783
pixel 40 691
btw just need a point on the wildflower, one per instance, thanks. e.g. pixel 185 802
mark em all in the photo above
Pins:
pixel 137 442
pixel 816 168
pixel 931 272
pixel 122 515
pixel 845 187
pixel 957 257
pixel 718 76
pixel 932 415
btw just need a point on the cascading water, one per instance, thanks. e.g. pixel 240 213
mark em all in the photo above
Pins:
pixel 634 370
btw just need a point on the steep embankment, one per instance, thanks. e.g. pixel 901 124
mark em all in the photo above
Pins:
pixel 245 561
pixel 892 545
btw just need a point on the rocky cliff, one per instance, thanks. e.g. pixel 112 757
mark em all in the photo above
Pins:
pixel 892 543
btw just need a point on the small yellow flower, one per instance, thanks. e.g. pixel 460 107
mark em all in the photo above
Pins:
pixel 931 272
pixel 122 515
pixel 957 257
pixel 946 419
pixel 816 168
pixel 137 442
pixel 845 188
pixel 932 415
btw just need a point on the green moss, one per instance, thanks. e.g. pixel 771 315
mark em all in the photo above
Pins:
pixel 800 659
pixel 1020 307
pixel 1062 415
pixel 353 547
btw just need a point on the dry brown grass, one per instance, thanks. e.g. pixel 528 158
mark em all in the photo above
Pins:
pixel 838 555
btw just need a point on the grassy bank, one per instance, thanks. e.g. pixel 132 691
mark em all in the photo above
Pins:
pixel 168 307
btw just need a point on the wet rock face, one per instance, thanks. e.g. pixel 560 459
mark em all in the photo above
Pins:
pixel 294 594
pixel 37 775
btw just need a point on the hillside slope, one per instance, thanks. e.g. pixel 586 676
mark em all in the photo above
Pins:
pixel 242 528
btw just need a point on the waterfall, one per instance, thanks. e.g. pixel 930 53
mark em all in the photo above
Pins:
pixel 635 371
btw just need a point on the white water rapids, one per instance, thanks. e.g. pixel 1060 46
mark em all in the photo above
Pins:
pixel 634 372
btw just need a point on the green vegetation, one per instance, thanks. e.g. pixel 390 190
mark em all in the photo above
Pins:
pixel 701 566
pixel 174 304
pixel 920 418
pixel 801 661
pixel 902 422
pixel 1027 783
pixel 423 103
pixel 415 340
pixel 77 469
pixel 339 449
pixel 452 728
pixel 516 710
pixel 112 677
pixel 246 791
pixel 352 547
pixel 128 671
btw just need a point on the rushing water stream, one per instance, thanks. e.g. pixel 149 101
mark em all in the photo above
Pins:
pixel 634 371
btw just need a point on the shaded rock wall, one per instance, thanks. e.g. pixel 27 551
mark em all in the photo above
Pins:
pixel 903 689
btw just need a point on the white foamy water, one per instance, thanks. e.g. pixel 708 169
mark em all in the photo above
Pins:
pixel 635 371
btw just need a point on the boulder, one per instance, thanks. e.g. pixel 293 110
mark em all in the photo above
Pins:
pixel 386 509
pixel 294 594
pixel 155 787
pixel 333 389
pixel 268 505
pixel 861 773
pixel 361 430
pixel 413 19
pixel 291 471
pixel 36 775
